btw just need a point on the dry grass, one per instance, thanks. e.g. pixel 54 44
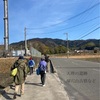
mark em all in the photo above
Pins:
pixel 85 56
pixel 93 58
pixel 5 64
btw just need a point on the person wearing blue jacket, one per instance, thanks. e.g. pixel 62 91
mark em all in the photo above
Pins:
pixel 31 64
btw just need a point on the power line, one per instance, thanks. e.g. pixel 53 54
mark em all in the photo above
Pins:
pixel 84 11
pixel 87 35
pixel 83 22
pixel 67 19
pixel 72 26
pixel 90 32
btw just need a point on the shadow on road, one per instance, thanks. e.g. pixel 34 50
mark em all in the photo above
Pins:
pixel 36 84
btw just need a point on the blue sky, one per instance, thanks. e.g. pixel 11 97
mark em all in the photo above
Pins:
pixel 51 19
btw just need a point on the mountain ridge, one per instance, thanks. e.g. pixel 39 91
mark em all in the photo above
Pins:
pixel 49 45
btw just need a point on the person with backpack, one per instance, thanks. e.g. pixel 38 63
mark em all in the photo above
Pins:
pixel 21 75
pixel 42 66
pixel 31 64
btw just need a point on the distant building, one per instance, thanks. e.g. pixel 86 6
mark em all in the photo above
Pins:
pixel 19 52
pixel 32 52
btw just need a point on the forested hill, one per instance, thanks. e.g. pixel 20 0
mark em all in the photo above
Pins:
pixel 48 45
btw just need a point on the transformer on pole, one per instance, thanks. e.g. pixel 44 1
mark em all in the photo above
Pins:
pixel 6 26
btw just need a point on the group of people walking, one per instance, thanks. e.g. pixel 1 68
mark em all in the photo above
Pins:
pixel 23 67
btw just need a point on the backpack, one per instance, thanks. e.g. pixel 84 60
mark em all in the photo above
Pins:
pixel 42 68
pixel 14 72
pixel 31 63
pixel 38 71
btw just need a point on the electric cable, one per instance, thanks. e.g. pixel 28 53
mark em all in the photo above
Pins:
pixel 87 35
pixel 67 19
pixel 72 26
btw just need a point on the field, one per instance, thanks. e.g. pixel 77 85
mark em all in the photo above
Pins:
pixel 93 58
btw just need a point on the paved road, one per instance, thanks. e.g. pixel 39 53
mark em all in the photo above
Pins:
pixel 81 78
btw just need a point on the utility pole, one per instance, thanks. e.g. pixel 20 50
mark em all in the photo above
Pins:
pixel 67 45
pixel 6 28
pixel 25 41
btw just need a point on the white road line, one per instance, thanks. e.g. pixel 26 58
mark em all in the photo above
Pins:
pixel 96 70
pixel 75 63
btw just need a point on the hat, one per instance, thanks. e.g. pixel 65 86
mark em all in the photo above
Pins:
pixel 21 57
pixel 42 57
pixel 30 58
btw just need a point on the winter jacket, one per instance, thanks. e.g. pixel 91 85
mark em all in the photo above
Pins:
pixel 42 65
pixel 19 78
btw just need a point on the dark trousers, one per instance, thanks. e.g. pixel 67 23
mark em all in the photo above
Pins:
pixel 43 77
pixel 31 70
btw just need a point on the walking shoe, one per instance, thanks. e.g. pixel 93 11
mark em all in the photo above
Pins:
pixel 21 93
pixel 43 85
pixel 14 97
